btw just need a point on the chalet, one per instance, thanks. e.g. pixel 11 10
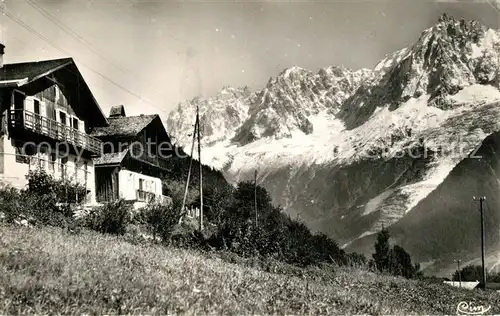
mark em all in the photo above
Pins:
pixel 134 159
pixel 47 112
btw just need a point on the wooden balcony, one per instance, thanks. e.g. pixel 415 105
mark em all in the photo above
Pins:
pixel 48 127
pixel 144 196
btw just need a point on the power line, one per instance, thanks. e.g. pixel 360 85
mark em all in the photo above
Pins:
pixel 41 36
pixel 77 36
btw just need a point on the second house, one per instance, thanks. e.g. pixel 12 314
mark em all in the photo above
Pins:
pixel 133 161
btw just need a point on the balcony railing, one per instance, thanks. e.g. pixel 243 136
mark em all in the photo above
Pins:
pixel 144 196
pixel 45 126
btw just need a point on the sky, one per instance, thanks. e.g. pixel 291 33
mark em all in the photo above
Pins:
pixel 150 55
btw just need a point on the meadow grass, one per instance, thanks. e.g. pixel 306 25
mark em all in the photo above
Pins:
pixel 48 270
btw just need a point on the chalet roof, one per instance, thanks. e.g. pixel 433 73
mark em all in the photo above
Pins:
pixel 24 75
pixel 30 71
pixel 110 158
pixel 124 126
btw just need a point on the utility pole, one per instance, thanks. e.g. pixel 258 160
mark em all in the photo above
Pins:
pixel 255 196
pixel 483 270
pixel 459 273
pixel 189 171
pixel 201 168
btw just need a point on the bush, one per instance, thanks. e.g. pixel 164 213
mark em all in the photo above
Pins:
pixel 66 192
pixel 161 218
pixel 274 235
pixel 110 218
pixel 356 260
pixel 471 273
pixel 40 209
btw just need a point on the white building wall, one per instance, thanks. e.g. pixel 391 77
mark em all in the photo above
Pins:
pixel 14 172
pixel 129 184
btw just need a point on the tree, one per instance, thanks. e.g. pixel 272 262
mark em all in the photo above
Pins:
pixel 356 259
pixel 400 262
pixel 382 249
pixel 468 273
pixel 245 195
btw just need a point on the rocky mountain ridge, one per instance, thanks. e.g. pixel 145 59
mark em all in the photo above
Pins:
pixel 349 151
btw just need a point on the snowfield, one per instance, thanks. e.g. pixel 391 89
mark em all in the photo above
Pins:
pixel 334 146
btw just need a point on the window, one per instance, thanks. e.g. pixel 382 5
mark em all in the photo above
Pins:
pixel 75 123
pixel 141 184
pixel 52 162
pixel 24 151
pixel 76 162
pixel 62 117
pixel 20 156
pixel 41 155
pixel 38 119
pixel 41 161
pixel 36 106
pixel 62 129
pixel 64 161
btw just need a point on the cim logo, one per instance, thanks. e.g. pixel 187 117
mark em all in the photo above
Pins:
pixel 468 308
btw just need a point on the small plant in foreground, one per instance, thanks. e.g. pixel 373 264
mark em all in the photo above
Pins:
pixel 161 218
pixel 110 218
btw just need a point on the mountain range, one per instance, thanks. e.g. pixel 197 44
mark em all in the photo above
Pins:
pixel 405 145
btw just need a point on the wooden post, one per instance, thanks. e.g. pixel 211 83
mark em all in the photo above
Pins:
pixel 483 268
pixel 190 166
pixel 255 197
pixel 482 243
pixel 201 167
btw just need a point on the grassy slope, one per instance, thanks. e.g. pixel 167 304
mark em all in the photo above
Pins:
pixel 48 270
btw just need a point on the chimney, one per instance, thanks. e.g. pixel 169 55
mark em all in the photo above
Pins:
pixel 117 111
pixel 2 47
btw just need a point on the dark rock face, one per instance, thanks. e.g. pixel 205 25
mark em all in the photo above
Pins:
pixel 353 196
pixel 334 199
pixel 447 222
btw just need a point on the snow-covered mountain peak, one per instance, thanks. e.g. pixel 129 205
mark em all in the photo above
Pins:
pixel 353 150
pixel 220 115
pixel 287 103
pixel 446 58
pixel 293 72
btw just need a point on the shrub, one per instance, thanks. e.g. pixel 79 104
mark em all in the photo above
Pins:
pixel 110 218
pixel 356 260
pixel 161 218
pixel 40 209
pixel 42 183
pixel 274 235
pixel 470 273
